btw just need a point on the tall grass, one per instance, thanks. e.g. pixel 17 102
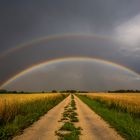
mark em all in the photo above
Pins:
pixel 17 111
pixel 126 102
pixel 121 111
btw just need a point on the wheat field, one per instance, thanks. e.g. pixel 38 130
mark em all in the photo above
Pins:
pixel 127 102
pixel 18 104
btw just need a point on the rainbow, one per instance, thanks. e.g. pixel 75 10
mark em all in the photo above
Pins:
pixel 66 59
pixel 52 38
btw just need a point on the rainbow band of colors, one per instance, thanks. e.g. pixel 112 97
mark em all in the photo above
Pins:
pixel 65 59
pixel 52 38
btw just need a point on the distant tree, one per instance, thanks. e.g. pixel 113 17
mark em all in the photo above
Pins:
pixel 54 91
pixel 14 91
pixel 125 91
pixel 3 91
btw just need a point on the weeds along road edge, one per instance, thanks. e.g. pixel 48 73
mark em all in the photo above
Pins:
pixel 17 116
pixel 126 124
pixel 68 130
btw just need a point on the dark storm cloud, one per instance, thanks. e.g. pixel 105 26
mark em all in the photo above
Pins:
pixel 98 48
pixel 22 21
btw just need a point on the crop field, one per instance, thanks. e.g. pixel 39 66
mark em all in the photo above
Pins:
pixel 120 110
pixel 79 116
pixel 127 102
pixel 18 111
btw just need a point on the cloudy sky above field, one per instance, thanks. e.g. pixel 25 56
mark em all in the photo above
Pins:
pixel 52 29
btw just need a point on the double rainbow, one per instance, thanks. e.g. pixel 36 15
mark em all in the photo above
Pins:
pixel 52 61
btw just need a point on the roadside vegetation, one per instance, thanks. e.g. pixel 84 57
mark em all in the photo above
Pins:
pixel 18 111
pixel 125 102
pixel 68 130
pixel 121 111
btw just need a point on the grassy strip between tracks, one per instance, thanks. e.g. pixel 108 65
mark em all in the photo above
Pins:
pixel 126 124
pixel 22 114
pixel 68 130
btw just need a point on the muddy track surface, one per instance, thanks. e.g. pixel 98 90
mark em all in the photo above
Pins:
pixel 93 127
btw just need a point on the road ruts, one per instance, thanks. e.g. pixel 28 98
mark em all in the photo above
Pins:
pixel 44 129
pixel 94 128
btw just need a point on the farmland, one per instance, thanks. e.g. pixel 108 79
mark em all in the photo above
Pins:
pixel 121 111
pixel 17 111
pixel 70 120
pixel 79 116
pixel 129 102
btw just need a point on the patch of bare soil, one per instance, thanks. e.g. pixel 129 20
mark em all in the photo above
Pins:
pixel 94 127
pixel 44 129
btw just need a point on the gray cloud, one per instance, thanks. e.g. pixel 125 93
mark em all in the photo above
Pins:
pixel 22 21
pixel 75 74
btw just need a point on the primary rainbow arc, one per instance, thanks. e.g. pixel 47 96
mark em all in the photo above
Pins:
pixel 53 61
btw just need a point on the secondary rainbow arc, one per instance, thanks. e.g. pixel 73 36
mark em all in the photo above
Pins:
pixel 51 38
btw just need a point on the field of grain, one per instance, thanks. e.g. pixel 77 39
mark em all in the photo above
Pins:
pixel 120 110
pixel 18 111
pixel 126 102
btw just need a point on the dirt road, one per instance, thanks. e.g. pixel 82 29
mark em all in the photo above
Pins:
pixel 44 129
pixel 94 128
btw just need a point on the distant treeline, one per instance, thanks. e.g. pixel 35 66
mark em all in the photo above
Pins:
pixel 14 91
pixel 124 91
pixel 3 91
pixel 69 91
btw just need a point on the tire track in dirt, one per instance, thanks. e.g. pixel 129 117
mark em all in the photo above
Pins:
pixel 94 127
pixel 44 129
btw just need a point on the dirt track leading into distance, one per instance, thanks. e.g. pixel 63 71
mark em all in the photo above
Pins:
pixel 94 127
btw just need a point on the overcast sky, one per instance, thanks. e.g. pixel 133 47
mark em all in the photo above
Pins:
pixel 113 24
